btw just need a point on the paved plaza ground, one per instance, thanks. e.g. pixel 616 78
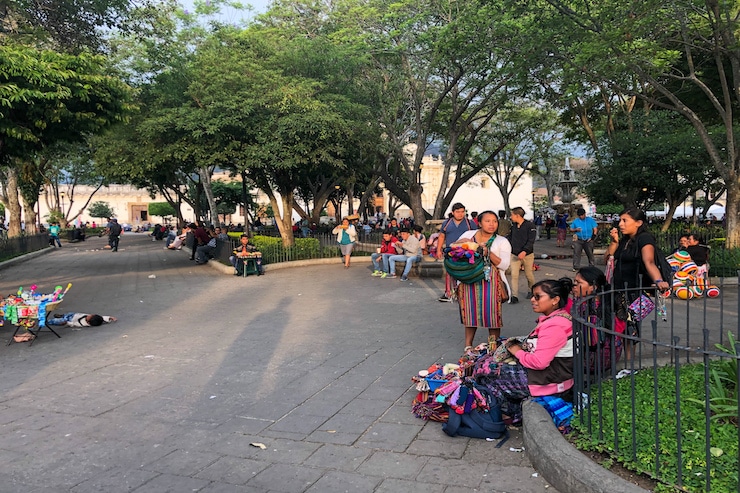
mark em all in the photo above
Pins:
pixel 313 362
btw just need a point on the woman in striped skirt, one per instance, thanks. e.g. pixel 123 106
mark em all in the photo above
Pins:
pixel 480 302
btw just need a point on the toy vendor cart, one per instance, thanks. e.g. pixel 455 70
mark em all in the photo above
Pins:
pixel 32 318
pixel 29 311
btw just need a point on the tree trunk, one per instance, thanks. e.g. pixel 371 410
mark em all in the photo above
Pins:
pixel 14 206
pixel 416 206
pixel 31 217
pixel 732 214
pixel 284 222
pixel 205 179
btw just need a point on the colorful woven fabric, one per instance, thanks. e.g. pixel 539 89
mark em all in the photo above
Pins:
pixel 560 411
pixel 479 304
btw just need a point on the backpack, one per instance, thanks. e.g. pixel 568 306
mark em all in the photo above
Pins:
pixel 477 423
pixel 115 229
pixel 666 272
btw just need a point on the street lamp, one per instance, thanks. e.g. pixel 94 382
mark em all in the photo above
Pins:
pixel 61 212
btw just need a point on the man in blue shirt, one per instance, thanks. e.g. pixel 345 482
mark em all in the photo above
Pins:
pixel 449 233
pixel 585 229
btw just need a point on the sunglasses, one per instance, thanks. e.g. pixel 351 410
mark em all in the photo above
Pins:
pixel 538 296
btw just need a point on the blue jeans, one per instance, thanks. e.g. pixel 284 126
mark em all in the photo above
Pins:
pixel 60 320
pixel 384 258
pixel 410 261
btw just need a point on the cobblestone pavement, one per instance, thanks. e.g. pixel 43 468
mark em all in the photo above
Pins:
pixel 313 362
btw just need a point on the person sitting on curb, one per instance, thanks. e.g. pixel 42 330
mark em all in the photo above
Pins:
pixel 243 251
pixel 179 239
pixel 387 248
pixel 73 319
pixel 410 248
pixel 206 251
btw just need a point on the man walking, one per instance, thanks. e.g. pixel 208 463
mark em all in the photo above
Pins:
pixel 449 233
pixel 585 228
pixel 521 237
pixel 114 234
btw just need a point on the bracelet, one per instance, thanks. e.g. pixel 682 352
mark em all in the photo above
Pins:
pixel 657 281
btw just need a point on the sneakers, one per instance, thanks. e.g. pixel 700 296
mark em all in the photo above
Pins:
pixel 404 278
pixel 513 300
pixel 390 276
pixel 383 275
pixel 444 299
pixel 376 273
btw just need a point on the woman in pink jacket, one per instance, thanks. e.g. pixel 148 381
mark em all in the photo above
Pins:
pixel 548 357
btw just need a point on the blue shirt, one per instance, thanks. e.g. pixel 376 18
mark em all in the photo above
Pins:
pixel 587 225
pixel 453 231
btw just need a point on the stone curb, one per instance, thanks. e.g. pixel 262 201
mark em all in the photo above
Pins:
pixel 560 463
pixel 25 257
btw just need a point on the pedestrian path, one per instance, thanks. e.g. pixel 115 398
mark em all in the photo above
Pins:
pixel 313 362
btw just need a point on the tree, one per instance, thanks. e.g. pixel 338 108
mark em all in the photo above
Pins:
pixel 161 209
pixel 434 85
pixel 659 158
pixel 681 56
pixel 48 97
pixel 101 209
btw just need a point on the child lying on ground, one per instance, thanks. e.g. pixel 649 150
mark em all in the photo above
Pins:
pixel 72 319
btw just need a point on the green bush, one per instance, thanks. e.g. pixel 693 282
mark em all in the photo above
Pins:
pixel 723 262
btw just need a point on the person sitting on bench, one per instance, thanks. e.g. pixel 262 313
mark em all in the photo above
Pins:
pixel 409 252
pixel 241 253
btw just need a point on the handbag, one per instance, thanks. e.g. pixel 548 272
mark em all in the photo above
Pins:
pixel 477 423
pixel 641 308
pixel 466 270
pixel 467 266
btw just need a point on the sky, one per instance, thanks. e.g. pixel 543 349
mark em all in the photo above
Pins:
pixel 232 15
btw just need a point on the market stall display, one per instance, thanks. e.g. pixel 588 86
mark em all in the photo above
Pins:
pixel 28 310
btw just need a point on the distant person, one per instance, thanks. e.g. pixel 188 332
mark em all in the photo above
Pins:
pixel 54 230
pixel 549 224
pixel 521 237
pixel 114 231
pixel 504 225
pixel 561 223
pixel 585 229
pixel 346 237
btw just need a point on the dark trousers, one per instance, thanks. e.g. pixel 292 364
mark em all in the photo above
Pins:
pixel 113 242
pixel 586 246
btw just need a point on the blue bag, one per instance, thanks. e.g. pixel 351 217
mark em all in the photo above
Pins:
pixel 479 424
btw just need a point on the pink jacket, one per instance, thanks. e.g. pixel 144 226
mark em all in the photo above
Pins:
pixel 550 364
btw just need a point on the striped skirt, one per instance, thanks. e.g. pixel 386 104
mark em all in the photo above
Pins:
pixel 480 305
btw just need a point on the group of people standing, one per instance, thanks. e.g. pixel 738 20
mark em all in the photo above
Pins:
pixel 544 358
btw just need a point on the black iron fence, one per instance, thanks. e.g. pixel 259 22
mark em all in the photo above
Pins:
pixel 663 402
pixel 20 245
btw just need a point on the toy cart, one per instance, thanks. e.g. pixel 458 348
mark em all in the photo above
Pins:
pixel 32 318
